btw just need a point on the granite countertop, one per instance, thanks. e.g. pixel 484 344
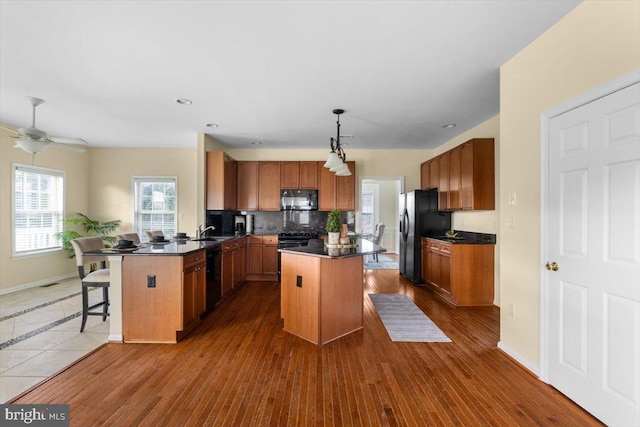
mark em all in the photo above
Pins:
pixel 467 238
pixel 174 247
pixel 364 247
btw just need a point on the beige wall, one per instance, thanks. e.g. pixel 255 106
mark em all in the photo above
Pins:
pixel 38 269
pixel 112 171
pixel 596 43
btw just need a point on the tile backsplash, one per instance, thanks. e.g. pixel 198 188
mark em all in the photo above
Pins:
pixel 275 222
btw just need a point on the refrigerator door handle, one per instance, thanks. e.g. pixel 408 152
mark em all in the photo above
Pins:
pixel 407 226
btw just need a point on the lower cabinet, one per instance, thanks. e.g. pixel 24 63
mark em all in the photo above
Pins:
pixel 163 297
pixel 461 273
pixel 262 258
pixel 234 255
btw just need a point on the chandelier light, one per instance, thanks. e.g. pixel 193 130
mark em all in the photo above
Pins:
pixel 336 161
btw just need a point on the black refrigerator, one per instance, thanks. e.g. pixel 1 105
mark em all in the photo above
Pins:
pixel 419 217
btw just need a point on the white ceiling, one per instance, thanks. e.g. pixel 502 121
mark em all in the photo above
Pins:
pixel 265 71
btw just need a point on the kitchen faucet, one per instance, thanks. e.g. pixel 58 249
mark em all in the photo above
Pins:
pixel 201 231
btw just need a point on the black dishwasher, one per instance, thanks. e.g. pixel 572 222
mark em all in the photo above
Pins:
pixel 214 276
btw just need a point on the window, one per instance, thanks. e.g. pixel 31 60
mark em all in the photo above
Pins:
pixel 367 217
pixel 38 200
pixel 155 205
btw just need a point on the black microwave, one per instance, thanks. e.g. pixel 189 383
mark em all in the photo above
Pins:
pixel 299 200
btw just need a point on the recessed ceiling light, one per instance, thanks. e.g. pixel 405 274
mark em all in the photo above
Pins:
pixel 449 125
pixel 256 143
pixel 212 125
pixel 184 101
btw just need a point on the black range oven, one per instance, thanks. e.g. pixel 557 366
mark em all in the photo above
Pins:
pixel 294 239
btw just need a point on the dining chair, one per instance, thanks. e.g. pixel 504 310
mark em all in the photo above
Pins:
pixel 129 236
pixel 377 237
pixel 98 276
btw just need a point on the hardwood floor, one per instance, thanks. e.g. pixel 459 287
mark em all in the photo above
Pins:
pixel 239 368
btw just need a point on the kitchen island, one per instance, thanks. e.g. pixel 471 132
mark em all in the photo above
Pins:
pixel 157 291
pixel 322 290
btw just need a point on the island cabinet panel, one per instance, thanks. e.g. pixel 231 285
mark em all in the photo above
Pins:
pixel 322 298
pixel 269 186
pixel 163 297
pixel 221 181
pixel 247 185
pixel 461 273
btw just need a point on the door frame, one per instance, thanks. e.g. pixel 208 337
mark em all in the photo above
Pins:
pixel 545 119
pixel 400 181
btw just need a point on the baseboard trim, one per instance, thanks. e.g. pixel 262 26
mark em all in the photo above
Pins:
pixel 533 369
pixel 117 339
pixel 39 283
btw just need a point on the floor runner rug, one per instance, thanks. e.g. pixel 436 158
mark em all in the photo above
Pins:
pixel 404 320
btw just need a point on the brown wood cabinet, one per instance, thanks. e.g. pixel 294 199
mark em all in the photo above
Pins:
pixel 461 273
pixel 464 176
pixel 166 312
pixel 443 182
pixel 262 258
pixel 233 265
pixel 477 175
pixel 454 178
pixel 336 191
pixel 321 298
pixel 269 186
pixel 221 181
pixel 247 192
pixel 299 175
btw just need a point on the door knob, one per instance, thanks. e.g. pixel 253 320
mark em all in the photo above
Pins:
pixel 552 266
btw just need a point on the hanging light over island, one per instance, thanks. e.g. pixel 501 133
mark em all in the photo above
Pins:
pixel 336 161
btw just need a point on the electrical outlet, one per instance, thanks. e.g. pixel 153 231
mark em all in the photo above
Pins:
pixel 151 281
pixel 512 200
pixel 511 311
pixel 299 281
pixel 512 222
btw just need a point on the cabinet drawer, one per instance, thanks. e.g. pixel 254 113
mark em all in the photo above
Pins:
pixel 194 259
pixel 270 240
pixel 255 240
pixel 439 246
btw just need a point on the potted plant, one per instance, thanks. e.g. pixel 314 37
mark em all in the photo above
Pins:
pixel 333 226
pixel 91 228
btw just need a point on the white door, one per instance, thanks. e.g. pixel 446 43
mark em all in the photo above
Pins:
pixel 593 305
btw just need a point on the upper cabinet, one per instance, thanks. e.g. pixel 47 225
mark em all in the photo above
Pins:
pixel 299 175
pixel 336 191
pixel 221 181
pixel 269 186
pixel 248 173
pixel 477 175
pixel 464 176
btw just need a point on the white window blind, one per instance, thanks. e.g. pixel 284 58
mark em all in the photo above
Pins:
pixel 38 201
pixel 367 216
pixel 156 205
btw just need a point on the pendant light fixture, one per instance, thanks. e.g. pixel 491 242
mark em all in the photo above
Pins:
pixel 336 161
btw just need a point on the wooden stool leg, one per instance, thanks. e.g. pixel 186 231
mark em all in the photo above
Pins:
pixel 85 307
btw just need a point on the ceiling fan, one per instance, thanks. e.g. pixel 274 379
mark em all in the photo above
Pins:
pixel 33 140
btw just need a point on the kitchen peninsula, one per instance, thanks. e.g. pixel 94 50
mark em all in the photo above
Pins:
pixel 322 290
pixel 157 291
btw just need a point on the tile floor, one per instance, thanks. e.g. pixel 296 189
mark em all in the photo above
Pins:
pixel 40 334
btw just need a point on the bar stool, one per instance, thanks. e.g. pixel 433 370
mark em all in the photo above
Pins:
pixel 96 278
